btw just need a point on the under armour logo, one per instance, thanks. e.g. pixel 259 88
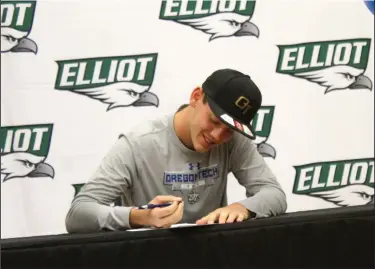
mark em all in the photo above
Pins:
pixel 194 165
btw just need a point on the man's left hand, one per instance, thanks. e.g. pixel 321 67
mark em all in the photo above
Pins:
pixel 229 214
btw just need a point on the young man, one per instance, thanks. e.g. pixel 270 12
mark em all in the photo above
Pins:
pixel 184 158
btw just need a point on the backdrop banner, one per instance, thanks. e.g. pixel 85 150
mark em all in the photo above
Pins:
pixel 75 74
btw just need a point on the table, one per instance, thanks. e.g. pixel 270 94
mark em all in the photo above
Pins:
pixel 327 238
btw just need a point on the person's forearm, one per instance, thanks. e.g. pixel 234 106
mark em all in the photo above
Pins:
pixel 268 201
pixel 87 216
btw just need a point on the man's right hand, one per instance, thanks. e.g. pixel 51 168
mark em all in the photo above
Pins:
pixel 161 217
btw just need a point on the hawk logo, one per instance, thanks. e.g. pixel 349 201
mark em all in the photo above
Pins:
pixel 262 124
pixel 16 23
pixel 370 5
pixel 344 183
pixel 120 81
pixel 77 188
pixel 217 18
pixel 334 65
pixel 24 150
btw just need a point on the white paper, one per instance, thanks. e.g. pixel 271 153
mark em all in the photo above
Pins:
pixel 183 225
pixel 179 225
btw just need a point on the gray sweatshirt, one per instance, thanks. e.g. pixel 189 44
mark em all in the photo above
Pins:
pixel 150 161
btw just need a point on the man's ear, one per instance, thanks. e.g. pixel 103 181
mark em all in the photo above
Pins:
pixel 196 96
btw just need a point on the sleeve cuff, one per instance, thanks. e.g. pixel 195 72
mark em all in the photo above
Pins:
pixel 254 208
pixel 114 218
pixel 266 203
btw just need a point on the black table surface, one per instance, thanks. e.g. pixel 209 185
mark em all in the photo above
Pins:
pixel 327 238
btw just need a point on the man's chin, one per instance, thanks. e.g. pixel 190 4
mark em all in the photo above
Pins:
pixel 201 148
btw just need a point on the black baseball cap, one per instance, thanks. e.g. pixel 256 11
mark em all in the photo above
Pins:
pixel 234 98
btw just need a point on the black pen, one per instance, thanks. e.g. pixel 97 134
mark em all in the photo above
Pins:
pixel 151 206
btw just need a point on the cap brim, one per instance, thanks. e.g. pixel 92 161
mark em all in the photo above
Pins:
pixel 243 129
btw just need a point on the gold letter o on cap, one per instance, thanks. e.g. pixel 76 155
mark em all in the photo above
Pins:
pixel 242 102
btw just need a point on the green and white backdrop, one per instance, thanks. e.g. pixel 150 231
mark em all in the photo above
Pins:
pixel 74 74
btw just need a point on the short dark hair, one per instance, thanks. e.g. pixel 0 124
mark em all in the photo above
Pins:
pixel 186 105
pixel 204 99
pixel 182 107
